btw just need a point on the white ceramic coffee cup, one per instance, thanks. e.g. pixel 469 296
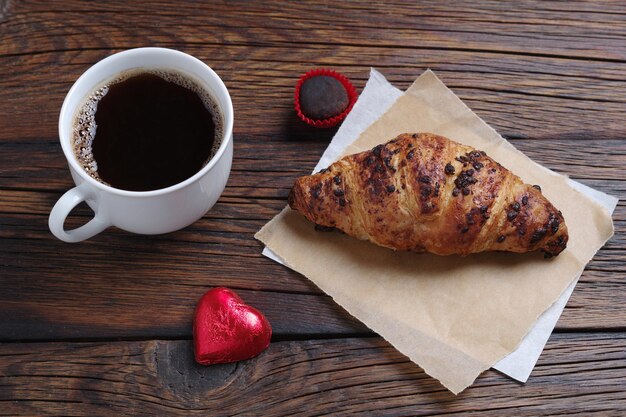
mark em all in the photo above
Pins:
pixel 145 212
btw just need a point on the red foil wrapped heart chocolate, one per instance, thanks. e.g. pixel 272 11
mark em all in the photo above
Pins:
pixel 225 329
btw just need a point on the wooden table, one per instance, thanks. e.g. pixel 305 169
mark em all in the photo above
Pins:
pixel 103 327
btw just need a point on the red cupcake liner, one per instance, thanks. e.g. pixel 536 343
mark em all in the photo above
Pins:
pixel 330 122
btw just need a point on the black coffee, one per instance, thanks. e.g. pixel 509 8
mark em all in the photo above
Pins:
pixel 147 130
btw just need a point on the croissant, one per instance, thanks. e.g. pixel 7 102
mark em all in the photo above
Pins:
pixel 426 193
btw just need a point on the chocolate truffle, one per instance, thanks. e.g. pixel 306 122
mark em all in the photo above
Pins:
pixel 322 97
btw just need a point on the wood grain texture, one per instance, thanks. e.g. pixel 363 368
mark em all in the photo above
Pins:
pixel 577 374
pixel 549 76
pixel 175 269
pixel 519 69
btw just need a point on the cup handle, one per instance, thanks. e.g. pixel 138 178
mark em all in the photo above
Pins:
pixel 62 209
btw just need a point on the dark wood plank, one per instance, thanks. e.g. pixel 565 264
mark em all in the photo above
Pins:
pixel 522 70
pixel 140 287
pixel 577 374
pixel 522 97
pixel 261 165
pixel 181 265
pixel 529 26
pixel 117 271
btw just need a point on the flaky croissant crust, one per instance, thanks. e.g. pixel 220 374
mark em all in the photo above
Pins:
pixel 423 192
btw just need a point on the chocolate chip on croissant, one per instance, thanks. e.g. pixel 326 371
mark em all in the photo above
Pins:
pixel 426 193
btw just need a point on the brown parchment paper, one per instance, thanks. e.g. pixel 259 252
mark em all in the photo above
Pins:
pixel 453 316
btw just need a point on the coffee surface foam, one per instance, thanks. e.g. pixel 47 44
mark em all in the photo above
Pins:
pixel 85 128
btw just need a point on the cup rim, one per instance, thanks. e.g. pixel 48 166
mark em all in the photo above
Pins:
pixel 226 136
